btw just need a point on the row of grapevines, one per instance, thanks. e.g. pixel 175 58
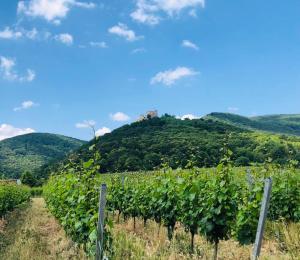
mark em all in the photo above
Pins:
pixel 12 195
pixel 72 197
pixel 218 204
pixel 205 203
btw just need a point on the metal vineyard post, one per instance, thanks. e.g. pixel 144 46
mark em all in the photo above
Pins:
pixel 100 226
pixel 262 218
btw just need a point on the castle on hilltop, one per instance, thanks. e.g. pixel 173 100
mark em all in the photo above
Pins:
pixel 148 115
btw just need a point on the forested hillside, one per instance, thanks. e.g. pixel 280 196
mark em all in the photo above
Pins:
pixel 151 143
pixel 183 143
pixel 281 124
pixel 30 152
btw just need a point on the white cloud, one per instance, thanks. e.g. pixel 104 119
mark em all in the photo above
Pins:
pixel 123 31
pixel 7 64
pixel 30 75
pixel 193 13
pixel 56 22
pixel 175 6
pixel 26 105
pixel 102 131
pixel 7 131
pixel 86 124
pixel 145 13
pixel 8 33
pixel 64 38
pixel 89 5
pixel 119 116
pixel 7 70
pixel 189 44
pixel 188 116
pixel 169 77
pixel 99 44
pixel 17 33
pixel 233 109
pixel 50 10
pixel 149 11
pixel 138 50
pixel 32 34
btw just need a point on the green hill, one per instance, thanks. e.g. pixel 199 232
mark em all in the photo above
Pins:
pixel 281 124
pixel 30 152
pixel 180 143
pixel 150 143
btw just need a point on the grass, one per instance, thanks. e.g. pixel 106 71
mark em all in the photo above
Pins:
pixel 151 243
pixel 33 234
pixel 287 236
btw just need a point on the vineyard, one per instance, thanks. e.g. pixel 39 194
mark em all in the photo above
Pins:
pixel 11 196
pixel 217 204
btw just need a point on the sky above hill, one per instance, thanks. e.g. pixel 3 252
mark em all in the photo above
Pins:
pixel 66 65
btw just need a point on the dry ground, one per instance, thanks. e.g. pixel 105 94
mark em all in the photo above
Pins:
pixel 151 243
pixel 31 233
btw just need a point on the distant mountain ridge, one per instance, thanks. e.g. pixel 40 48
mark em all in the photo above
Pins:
pixel 31 151
pixel 280 124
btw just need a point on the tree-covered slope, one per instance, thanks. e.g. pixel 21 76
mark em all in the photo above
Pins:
pixel 281 124
pixel 30 152
pixel 180 143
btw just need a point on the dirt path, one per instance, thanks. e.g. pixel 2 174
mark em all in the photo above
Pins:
pixel 32 233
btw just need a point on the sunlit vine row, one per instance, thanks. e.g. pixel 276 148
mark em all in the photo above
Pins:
pixel 215 203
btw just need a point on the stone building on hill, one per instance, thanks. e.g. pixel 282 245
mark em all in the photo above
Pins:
pixel 148 115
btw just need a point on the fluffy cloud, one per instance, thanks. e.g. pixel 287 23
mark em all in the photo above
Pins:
pixel 99 44
pixel 64 38
pixel 50 10
pixel 169 77
pixel 102 131
pixel 7 70
pixel 175 6
pixel 14 33
pixel 7 131
pixel 8 33
pixel 233 109
pixel 91 124
pixel 123 31
pixel 188 116
pixel 30 76
pixel 145 13
pixel 149 11
pixel 119 116
pixel 89 5
pixel 26 105
pixel 7 64
pixel 189 44
pixel 86 124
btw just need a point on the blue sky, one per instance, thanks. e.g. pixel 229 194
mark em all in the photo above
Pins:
pixel 65 64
